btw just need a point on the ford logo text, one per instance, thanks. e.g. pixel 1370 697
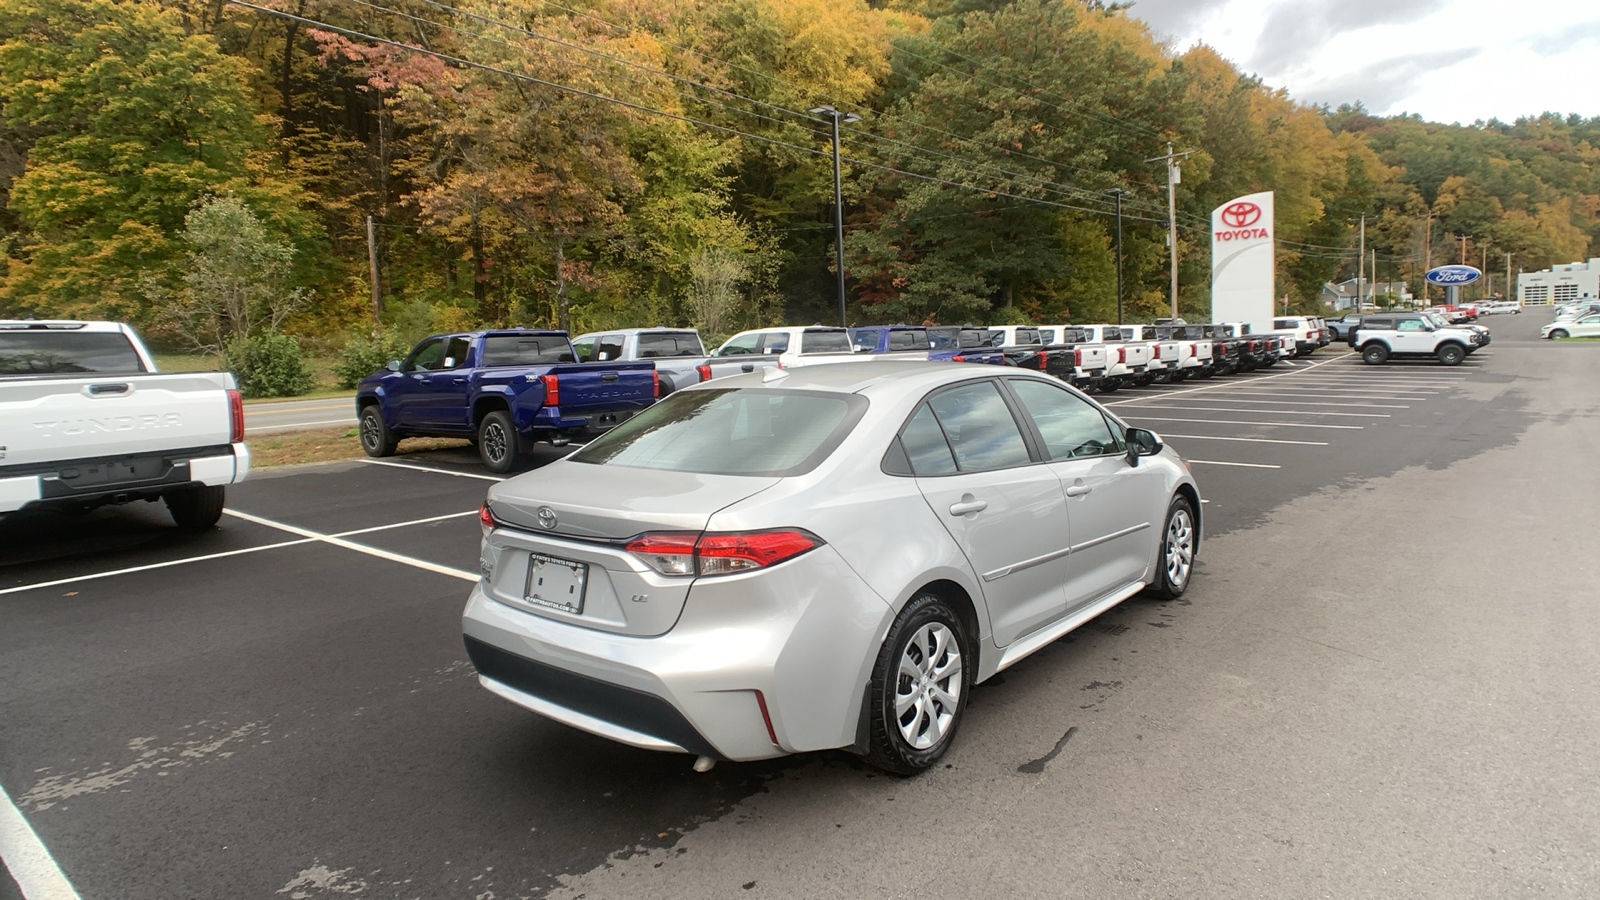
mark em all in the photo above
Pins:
pixel 1453 276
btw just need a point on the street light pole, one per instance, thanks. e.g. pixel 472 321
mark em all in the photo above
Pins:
pixel 1117 193
pixel 838 200
pixel 1361 260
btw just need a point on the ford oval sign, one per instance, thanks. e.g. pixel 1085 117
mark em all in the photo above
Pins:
pixel 1453 276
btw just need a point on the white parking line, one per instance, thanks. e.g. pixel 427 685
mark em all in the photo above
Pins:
pixel 1234 399
pixel 308 539
pixel 1322 395
pixel 1281 412
pixel 1217 387
pixel 32 867
pixel 1213 437
pixel 1234 422
pixel 395 465
pixel 362 548
pixel 1214 462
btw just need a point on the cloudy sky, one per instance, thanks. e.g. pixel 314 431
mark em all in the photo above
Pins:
pixel 1449 60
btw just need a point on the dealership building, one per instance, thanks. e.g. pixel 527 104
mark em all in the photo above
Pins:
pixel 1560 284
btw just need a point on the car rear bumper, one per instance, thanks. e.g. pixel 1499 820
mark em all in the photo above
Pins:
pixel 757 666
pixel 81 482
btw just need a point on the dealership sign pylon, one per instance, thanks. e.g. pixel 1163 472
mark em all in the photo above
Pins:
pixel 1243 261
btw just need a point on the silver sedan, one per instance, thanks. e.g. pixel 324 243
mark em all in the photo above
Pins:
pixel 828 557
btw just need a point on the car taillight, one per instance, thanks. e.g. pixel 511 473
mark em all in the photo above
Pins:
pixel 552 390
pixel 655 382
pixel 486 517
pixel 1194 350
pixel 235 417
pixel 1122 354
pixel 1077 356
pixel 720 554
pixel 1039 361
pixel 1155 352
pixel 705 372
pixel 958 358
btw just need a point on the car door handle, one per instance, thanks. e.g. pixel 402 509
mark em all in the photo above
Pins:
pixel 419 376
pixel 1078 490
pixel 747 367
pixel 968 506
pixel 458 381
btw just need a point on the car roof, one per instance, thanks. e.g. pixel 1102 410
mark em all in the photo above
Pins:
pixel 78 325
pixel 885 377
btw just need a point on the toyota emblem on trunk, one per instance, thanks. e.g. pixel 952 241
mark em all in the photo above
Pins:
pixel 547 517
pixel 1241 214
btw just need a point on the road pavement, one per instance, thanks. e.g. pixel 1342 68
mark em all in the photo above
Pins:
pixel 299 415
pixel 1380 684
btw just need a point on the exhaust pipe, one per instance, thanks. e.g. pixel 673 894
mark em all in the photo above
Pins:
pixel 704 764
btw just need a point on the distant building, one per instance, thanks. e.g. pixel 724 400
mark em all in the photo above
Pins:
pixel 1560 284
pixel 1343 294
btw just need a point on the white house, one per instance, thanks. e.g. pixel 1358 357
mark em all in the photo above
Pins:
pixel 1560 284
pixel 1343 294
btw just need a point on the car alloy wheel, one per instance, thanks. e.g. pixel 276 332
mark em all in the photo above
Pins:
pixel 1557 334
pixel 928 693
pixel 494 442
pixel 371 440
pixel 1179 548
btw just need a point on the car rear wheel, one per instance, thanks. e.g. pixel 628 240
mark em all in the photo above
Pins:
pixel 1375 354
pixel 376 438
pixel 919 687
pixel 1109 385
pixel 497 442
pixel 1451 354
pixel 195 509
pixel 1179 543
pixel 1558 334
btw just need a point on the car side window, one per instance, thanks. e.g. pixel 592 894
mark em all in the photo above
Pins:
pixel 1410 325
pixel 979 425
pixel 1070 426
pixel 608 348
pixel 741 345
pixel 864 339
pixel 427 357
pixel 583 348
pixel 925 445
pixel 775 343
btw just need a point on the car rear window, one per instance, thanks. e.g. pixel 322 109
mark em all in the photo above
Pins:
pixel 824 342
pixel 732 431
pixel 52 352
pixel 670 343
pixel 912 339
pixel 525 350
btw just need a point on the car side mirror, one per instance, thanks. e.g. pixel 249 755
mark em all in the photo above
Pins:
pixel 392 365
pixel 1141 442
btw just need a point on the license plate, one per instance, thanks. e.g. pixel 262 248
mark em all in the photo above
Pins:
pixel 556 583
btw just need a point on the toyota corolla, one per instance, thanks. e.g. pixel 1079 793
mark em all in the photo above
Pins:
pixel 821 558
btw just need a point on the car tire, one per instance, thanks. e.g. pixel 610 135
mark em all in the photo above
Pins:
pixel 1558 334
pixel 1374 354
pixel 377 440
pixel 1180 376
pixel 497 442
pixel 1109 385
pixel 1451 355
pixel 1180 542
pixel 195 509
pixel 927 638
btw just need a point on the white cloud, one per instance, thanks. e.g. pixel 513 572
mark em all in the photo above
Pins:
pixel 1447 60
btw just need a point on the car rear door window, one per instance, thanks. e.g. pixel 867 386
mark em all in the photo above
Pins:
pixel 608 348
pixel 775 343
pixel 824 342
pixel 925 446
pixel 1070 426
pixel 864 339
pixel 656 345
pixel 982 432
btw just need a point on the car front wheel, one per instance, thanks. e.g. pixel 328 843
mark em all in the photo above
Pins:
pixel 1179 544
pixel 1451 355
pixel 919 687
pixel 376 439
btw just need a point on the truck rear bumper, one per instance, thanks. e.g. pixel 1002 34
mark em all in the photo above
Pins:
pixel 92 482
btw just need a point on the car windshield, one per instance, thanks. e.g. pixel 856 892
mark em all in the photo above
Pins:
pixel 53 352
pixel 731 431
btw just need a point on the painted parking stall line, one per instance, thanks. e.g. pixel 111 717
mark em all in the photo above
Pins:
pixel 1219 387
pixel 338 541
pixel 1219 437
pixel 1236 422
pixel 27 859
pixel 1241 465
pixel 1275 412
pixel 150 566
pixel 1295 402
pixel 436 471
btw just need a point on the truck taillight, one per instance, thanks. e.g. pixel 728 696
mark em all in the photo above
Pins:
pixel 1039 361
pixel 1194 350
pixel 552 390
pixel 1122 354
pixel 958 358
pixel 720 554
pixel 1077 356
pixel 705 372
pixel 655 383
pixel 235 417
pixel 1155 352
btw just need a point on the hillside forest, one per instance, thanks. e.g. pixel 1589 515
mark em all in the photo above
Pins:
pixel 208 169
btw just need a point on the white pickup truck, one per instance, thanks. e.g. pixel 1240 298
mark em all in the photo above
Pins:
pixel 1127 358
pixel 85 421
pixel 1166 355
pixel 796 347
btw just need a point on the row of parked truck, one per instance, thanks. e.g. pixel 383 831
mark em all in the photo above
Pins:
pixel 507 389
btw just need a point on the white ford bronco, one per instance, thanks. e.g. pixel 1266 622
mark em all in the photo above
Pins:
pixel 1400 335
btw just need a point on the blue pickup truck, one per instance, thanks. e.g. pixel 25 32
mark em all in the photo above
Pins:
pixel 947 343
pixel 502 389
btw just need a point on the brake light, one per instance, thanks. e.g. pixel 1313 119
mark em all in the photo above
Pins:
pixel 1155 352
pixel 1077 356
pixel 655 383
pixel 1039 361
pixel 720 554
pixel 235 417
pixel 552 390
pixel 1122 354
pixel 1194 350
pixel 958 358
pixel 486 517
pixel 705 372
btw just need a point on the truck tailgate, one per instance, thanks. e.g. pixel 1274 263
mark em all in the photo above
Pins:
pixel 85 417
pixel 1091 356
pixel 589 387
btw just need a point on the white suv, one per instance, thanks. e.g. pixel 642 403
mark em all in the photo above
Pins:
pixel 1412 335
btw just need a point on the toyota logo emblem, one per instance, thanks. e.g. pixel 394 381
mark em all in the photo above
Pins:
pixel 1241 214
pixel 547 517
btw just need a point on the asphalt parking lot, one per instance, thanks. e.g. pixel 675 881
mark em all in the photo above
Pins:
pixel 1380 684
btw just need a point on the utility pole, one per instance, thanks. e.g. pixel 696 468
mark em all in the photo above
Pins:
pixel 1463 249
pixel 838 199
pixel 1427 256
pixel 1487 278
pixel 1510 288
pixel 1174 178
pixel 1117 193
pixel 1361 260
pixel 372 271
pixel 1374 279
